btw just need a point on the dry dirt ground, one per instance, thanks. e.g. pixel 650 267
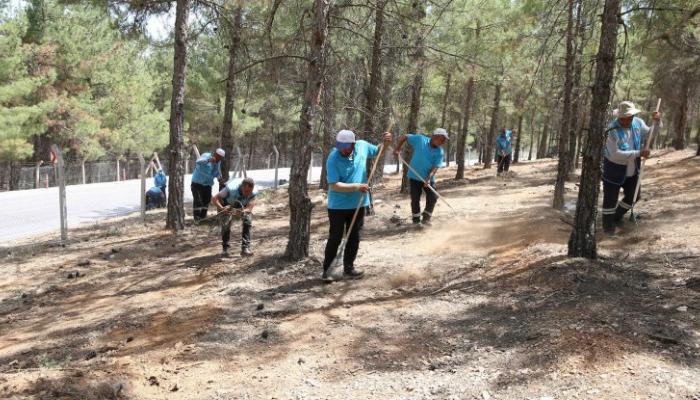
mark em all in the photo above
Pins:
pixel 483 305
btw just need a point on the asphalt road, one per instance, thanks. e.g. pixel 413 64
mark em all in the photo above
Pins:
pixel 35 212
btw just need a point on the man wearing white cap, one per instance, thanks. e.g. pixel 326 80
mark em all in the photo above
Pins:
pixel 621 162
pixel 207 168
pixel 426 159
pixel 347 183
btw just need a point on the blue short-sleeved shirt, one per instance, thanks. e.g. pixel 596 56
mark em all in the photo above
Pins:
pixel 232 193
pixel 351 169
pixel 160 179
pixel 205 172
pixel 425 157
pixel 503 142
pixel 154 191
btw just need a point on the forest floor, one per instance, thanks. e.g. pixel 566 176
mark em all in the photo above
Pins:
pixel 482 305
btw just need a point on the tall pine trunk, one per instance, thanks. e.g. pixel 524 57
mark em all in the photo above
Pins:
pixel 565 132
pixel 373 89
pixel 462 139
pixel 416 89
pixel 328 129
pixel 582 242
pixel 175 219
pixel 229 102
pixel 491 138
pixel 516 157
pixel 680 122
pixel 300 205
pixel 576 105
pixel 375 73
pixel 443 117
pixel 533 136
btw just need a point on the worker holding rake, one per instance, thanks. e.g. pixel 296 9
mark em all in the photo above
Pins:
pixel 504 149
pixel 426 159
pixel 347 199
pixel 622 161
pixel 236 201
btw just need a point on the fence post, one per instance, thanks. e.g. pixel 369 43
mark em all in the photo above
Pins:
pixel 37 177
pixel 118 170
pixel 82 170
pixel 277 165
pixel 142 194
pixel 240 157
pixel 60 170
pixel 155 155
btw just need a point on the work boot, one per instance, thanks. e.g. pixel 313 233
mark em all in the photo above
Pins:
pixel 245 252
pixel 225 253
pixel 426 220
pixel 353 273
pixel 326 277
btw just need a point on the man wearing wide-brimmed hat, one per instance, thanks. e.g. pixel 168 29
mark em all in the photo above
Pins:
pixel 621 163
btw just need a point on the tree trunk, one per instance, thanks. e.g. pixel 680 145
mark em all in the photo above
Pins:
pixel 566 133
pixel 445 101
pixel 416 89
pixel 300 205
pixel 229 102
pixel 582 242
pixel 387 104
pixel 516 157
pixel 15 169
pixel 681 117
pixel 375 74
pixel 491 138
pixel 533 136
pixel 328 116
pixel 576 93
pixel 176 211
pixel 462 139
pixel 543 138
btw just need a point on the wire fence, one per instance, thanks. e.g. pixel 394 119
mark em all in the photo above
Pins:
pixel 43 174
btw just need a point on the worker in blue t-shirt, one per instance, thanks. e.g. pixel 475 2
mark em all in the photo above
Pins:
pixel 237 199
pixel 347 184
pixel 207 168
pixel 504 150
pixel 427 157
pixel 161 181
pixel 155 198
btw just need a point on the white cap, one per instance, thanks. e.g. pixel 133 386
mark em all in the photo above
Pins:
pixel 441 132
pixel 345 136
pixel 220 152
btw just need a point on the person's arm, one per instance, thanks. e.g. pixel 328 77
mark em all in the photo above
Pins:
pixel 216 201
pixel 432 172
pixel 349 187
pixel 399 144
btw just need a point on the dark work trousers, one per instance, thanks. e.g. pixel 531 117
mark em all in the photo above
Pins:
pixel 247 220
pixel 503 163
pixel 417 190
pixel 339 222
pixel 613 211
pixel 201 197
pixel 164 189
